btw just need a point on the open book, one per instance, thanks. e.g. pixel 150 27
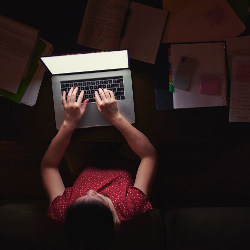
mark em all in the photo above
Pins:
pixel 122 24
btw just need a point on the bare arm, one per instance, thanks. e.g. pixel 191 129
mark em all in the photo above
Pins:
pixel 51 177
pixel 138 142
pixel 141 146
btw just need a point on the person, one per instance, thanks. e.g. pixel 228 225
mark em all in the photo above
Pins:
pixel 94 207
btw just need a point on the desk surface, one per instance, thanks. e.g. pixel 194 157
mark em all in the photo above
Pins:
pixel 60 26
pixel 21 122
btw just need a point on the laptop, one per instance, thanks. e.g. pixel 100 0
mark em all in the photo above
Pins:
pixel 89 72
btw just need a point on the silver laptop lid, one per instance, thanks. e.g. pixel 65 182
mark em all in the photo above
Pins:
pixel 88 62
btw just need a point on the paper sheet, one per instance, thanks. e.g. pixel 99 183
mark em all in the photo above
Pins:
pixel 102 24
pixel 238 46
pixel 240 89
pixel 31 94
pixel 143 33
pixel 203 21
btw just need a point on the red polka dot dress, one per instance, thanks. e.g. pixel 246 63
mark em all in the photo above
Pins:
pixel 116 184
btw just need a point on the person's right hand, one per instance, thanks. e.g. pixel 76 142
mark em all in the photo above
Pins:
pixel 106 104
pixel 73 109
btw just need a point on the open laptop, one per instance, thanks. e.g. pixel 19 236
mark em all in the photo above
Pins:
pixel 89 72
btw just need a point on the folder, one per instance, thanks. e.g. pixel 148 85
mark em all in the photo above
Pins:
pixel 203 21
pixel 208 86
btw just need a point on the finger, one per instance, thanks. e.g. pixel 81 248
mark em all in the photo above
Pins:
pixel 97 98
pixel 106 93
pixel 112 94
pixel 64 98
pixel 69 95
pixel 73 96
pixel 84 105
pixel 80 97
pixel 101 94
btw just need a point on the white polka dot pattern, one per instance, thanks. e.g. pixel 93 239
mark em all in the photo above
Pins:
pixel 117 184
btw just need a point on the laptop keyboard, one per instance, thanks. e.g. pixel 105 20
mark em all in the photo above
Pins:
pixel 114 83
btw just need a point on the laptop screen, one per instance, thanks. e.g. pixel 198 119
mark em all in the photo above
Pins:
pixel 86 62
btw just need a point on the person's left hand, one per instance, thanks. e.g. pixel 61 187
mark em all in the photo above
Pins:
pixel 73 109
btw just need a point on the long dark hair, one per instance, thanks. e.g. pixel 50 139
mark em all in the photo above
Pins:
pixel 89 224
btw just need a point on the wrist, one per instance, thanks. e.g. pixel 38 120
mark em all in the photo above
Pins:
pixel 69 126
pixel 116 119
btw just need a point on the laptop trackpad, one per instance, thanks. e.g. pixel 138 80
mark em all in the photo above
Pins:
pixel 92 116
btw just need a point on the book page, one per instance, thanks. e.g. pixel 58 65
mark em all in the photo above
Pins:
pixel 240 90
pixel 102 24
pixel 143 33
pixel 237 46
pixel 17 42
pixel 31 94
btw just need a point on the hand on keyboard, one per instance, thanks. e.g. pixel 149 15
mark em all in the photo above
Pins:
pixel 73 109
pixel 106 103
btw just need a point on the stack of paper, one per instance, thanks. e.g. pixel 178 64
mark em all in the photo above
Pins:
pixel 21 48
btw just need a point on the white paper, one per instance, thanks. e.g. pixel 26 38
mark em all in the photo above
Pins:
pixel 237 46
pixel 31 94
pixel 240 90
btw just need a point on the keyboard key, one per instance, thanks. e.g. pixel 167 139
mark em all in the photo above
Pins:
pixel 118 93
pixel 114 84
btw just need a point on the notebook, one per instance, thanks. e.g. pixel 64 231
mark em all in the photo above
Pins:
pixel 89 72
pixel 208 84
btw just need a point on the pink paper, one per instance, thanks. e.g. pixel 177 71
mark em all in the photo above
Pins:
pixel 210 85
pixel 216 15
pixel 243 72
